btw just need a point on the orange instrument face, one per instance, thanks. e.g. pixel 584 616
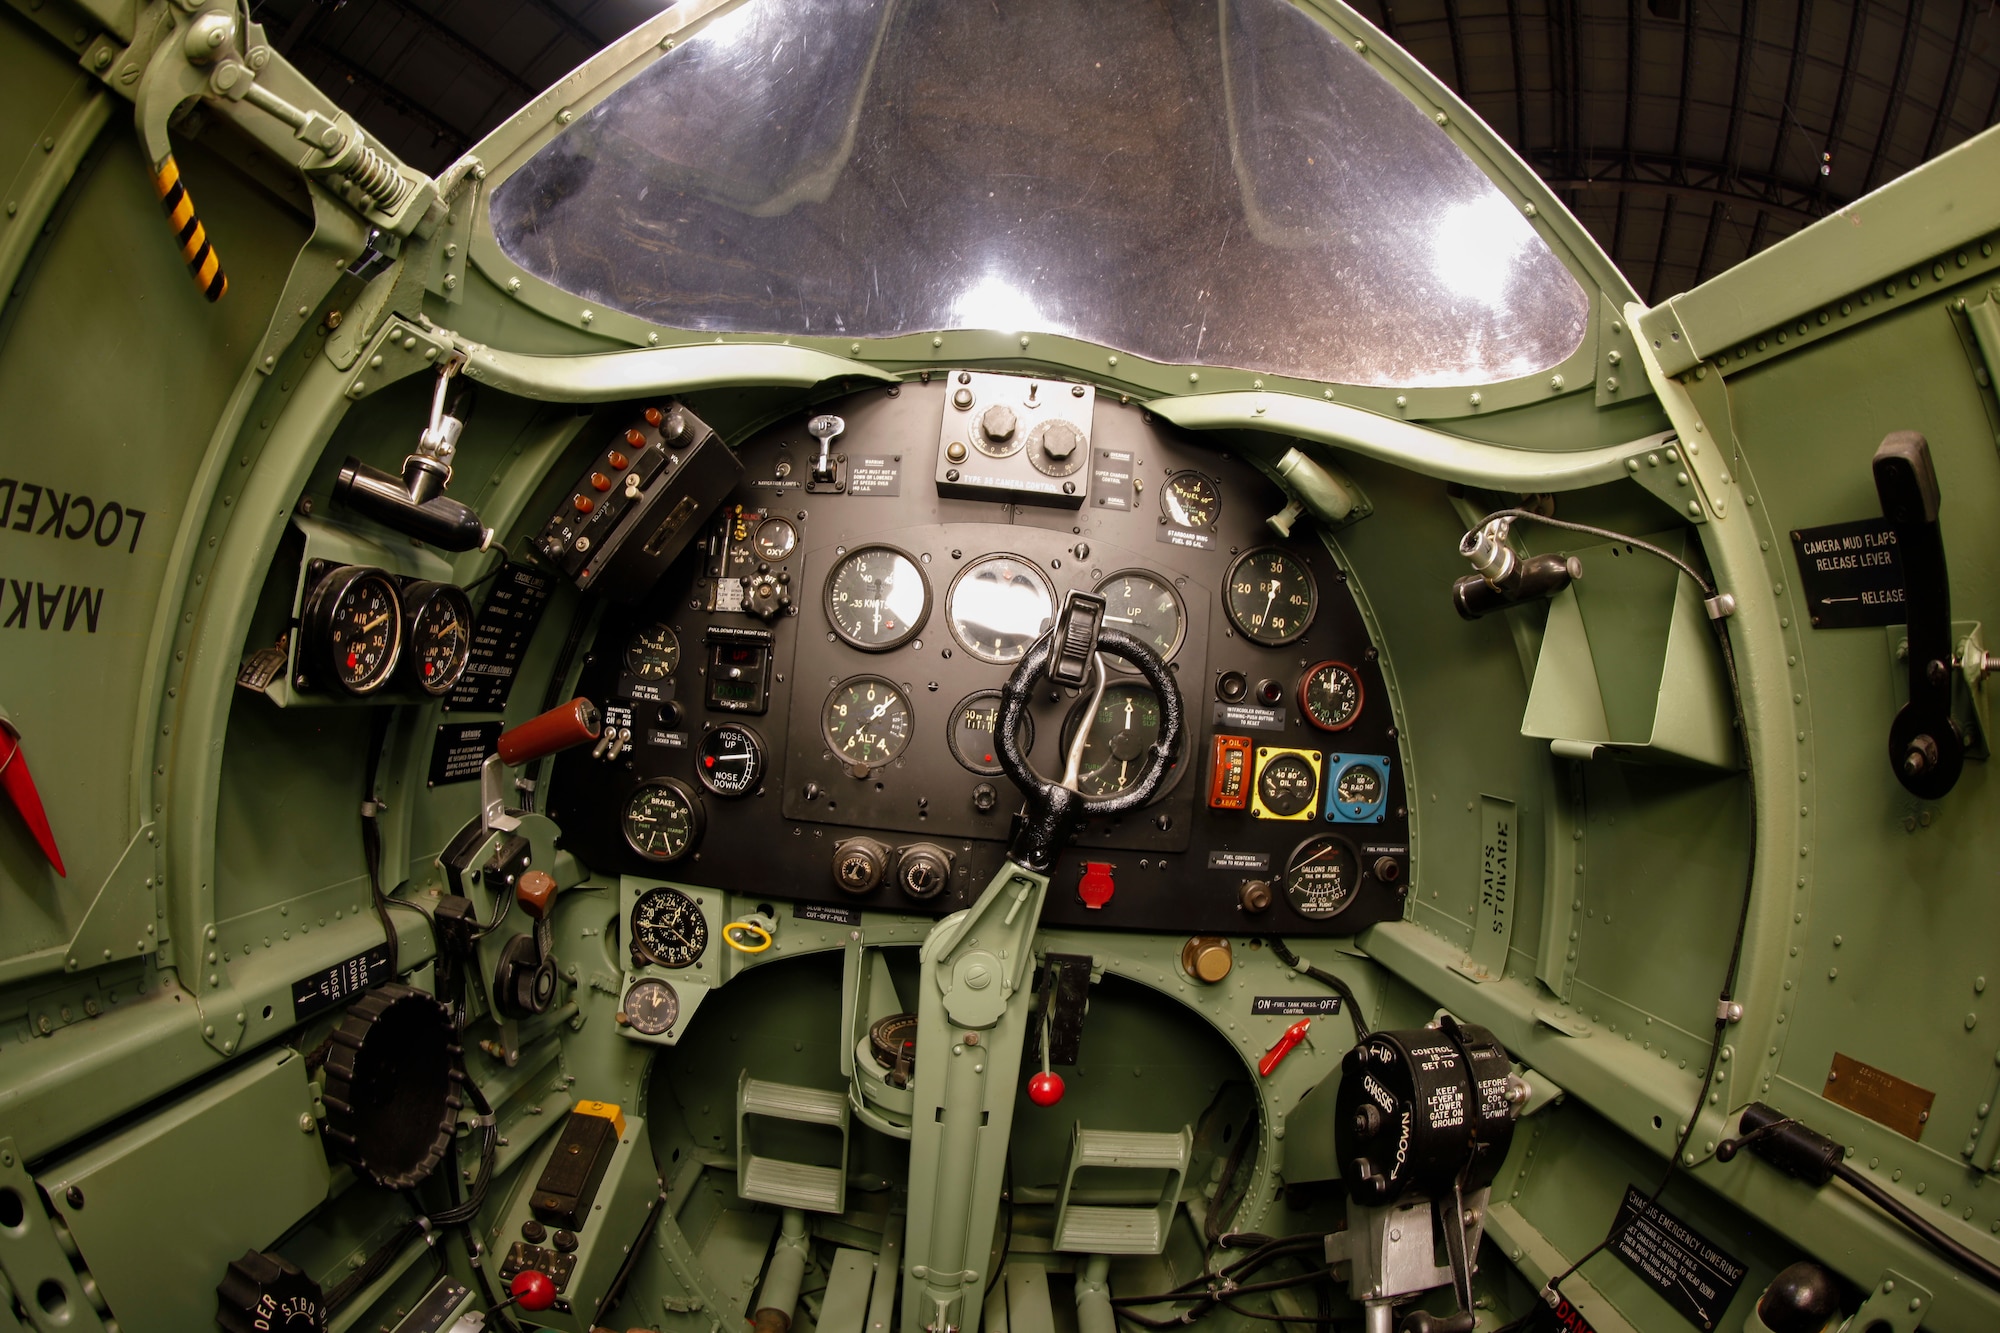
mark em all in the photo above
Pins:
pixel 1229 776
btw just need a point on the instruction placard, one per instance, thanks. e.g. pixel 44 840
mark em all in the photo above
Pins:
pixel 1851 573
pixel 1680 1263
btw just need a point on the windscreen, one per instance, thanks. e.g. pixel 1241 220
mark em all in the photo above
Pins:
pixel 1198 182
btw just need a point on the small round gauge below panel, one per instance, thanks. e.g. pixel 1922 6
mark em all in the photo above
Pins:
pixel 437 636
pixel 668 929
pixel 973 733
pixel 776 539
pixel 354 628
pixel 876 598
pixel 662 820
pixel 1330 695
pixel 651 1008
pixel 1270 596
pixel 730 759
pixel 654 653
pixel 998 606
pixel 1146 606
pixel 867 722
pixel 1321 877
pixel 1190 500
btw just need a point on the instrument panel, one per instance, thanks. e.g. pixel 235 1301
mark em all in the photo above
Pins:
pixel 807 698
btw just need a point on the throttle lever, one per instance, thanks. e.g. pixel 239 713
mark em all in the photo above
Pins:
pixel 1926 748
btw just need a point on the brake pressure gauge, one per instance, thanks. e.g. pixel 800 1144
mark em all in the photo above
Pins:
pixel 437 635
pixel 730 759
pixel 662 820
pixel 1330 696
pixel 354 628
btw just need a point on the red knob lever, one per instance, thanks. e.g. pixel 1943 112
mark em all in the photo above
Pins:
pixel 532 1290
pixel 1045 1088
pixel 570 724
pixel 1274 1057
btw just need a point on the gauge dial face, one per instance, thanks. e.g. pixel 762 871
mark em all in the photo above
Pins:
pixel 668 929
pixel 974 725
pixel 662 820
pixel 1321 877
pixel 730 760
pixel 1145 606
pixel 998 606
pixel 1271 597
pixel 1190 500
pixel 1057 448
pixel 876 598
pixel 1358 784
pixel 440 638
pixel 364 632
pixel 654 653
pixel 866 722
pixel 651 1007
pixel 1286 785
pixel 1121 733
pixel 1330 696
pixel 776 539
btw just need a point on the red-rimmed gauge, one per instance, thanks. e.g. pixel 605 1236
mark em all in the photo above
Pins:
pixel 1330 695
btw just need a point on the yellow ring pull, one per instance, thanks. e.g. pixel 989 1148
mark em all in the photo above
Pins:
pixel 760 937
pixel 201 258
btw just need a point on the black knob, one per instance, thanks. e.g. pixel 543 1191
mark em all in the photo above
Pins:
pixel 261 1293
pixel 1255 895
pixel 534 1232
pixel 997 421
pixel 1060 439
pixel 1801 1299
pixel 984 798
pixel 566 1241
pixel 1367 1120
pixel 1388 869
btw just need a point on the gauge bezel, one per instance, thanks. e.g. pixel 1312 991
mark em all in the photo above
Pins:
pixel 1067 734
pixel 951 593
pixel 323 601
pixel 1180 612
pixel 699 945
pixel 418 598
pixel 1312 589
pixel 632 644
pixel 1285 758
pixel 1027 733
pixel 1292 864
pixel 673 1003
pixel 757 748
pixel 1214 490
pixel 757 538
pixel 1347 766
pixel 910 631
pixel 826 733
pixel 1360 694
pixel 697 820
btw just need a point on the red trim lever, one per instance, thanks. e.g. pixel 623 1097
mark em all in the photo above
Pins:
pixel 1274 1057
pixel 19 785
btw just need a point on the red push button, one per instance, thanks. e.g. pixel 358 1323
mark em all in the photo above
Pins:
pixel 584 504
pixel 618 461
pixel 599 481
pixel 1096 886
pixel 635 438
pixel 654 416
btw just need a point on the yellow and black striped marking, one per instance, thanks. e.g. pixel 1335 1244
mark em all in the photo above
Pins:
pixel 188 231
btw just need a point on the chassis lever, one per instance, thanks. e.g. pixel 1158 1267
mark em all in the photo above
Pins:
pixel 1926 747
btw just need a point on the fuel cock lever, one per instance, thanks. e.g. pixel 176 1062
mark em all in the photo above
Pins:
pixel 1926 747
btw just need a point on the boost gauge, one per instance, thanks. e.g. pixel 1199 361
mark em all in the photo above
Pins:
pixel 354 628
pixel 437 635
pixel 876 598
pixel 1321 877
pixel 668 929
pixel 730 759
pixel 662 820
pixel 1270 596
pixel 1330 696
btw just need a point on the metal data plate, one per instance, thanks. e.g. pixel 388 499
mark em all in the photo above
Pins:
pixel 1879 1095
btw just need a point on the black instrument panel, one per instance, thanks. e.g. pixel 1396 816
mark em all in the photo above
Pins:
pixel 829 696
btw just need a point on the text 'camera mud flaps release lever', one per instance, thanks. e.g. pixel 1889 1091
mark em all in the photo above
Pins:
pixel 1925 746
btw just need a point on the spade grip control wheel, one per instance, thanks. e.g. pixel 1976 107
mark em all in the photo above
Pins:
pixel 1054 811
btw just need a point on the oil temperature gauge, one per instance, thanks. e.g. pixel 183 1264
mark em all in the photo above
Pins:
pixel 730 760
pixel 1321 877
pixel 668 929
pixel 651 1007
pixel 662 820
pixel 1330 696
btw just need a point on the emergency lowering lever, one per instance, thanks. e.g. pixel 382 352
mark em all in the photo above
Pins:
pixel 975 1011
pixel 1926 748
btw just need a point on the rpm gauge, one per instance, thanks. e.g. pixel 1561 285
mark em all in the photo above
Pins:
pixel 1190 500
pixel 437 635
pixel 876 598
pixel 662 820
pixel 1321 877
pixel 668 929
pixel 866 723
pixel 651 1007
pixel 1330 696
pixel 653 653
pixel 1145 606
pixel 354 626
pixel 998 606
pixel 1270 596
pixel 1120 735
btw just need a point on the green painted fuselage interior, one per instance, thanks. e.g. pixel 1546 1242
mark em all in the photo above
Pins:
pixel 750 997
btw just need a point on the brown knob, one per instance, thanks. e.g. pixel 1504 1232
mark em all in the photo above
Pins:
pixel 1255 895
pixel 1206 958
pixel 536 893
pixel 570 724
